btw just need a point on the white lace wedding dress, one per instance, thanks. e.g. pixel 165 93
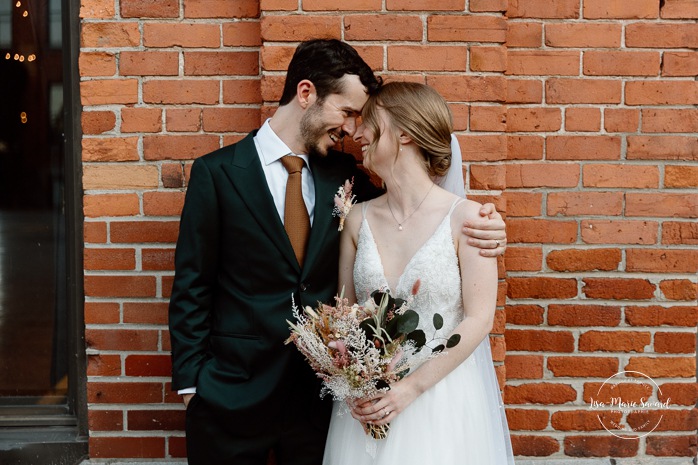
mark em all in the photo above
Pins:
pixel 461 419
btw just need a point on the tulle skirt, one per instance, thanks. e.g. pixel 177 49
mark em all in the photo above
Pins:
pixel 460 420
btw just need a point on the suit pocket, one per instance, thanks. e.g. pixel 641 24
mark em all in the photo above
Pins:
pixel 235 355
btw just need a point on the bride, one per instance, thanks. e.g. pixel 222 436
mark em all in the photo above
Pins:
pixel 449 410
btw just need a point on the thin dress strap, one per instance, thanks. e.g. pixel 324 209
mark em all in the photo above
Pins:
pixel 364 207
pixel 455 204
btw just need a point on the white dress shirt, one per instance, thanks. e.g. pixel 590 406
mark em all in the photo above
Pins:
pixel 270 149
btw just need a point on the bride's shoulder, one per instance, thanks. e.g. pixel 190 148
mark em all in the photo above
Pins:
pixel 466 210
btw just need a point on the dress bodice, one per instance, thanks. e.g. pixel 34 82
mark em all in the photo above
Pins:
pixel 435 264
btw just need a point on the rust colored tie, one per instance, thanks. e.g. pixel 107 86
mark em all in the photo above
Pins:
pixel 296 219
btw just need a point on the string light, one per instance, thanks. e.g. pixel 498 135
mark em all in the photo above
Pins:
pixel 16 57
pixel 31 57
pixel 23 117
pixel 25 14
pixel 8 56
pixel 21 58
pixel 18 4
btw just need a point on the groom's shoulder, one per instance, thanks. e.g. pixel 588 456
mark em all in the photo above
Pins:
pixel 226 153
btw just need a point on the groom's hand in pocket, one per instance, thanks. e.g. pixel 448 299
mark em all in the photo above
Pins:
pixel 186 398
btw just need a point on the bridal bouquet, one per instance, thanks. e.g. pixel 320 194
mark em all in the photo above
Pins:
pixel 359 350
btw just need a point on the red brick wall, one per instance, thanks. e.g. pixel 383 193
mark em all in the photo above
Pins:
pixel 578 120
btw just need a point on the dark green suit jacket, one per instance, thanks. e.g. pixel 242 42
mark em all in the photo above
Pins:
pixel 235 272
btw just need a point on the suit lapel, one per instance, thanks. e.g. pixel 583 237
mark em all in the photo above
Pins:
pixel 246 174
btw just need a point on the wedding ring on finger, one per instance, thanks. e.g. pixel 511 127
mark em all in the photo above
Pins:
pixel 496 244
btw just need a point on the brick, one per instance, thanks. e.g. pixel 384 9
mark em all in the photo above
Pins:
pixel 382 27
pixel 169 147
pixel 109 91
pixel 121 339
pixel 539 340
pixel 103 365
pixel 661 93
pixel 523 204
pixel 220 9
pixel 661 205
pixel 167 35
pixel 605 9
pixel 583 315
pixel 524 366
pixel 105 420
pixel 478 147
pixel 678 393
pixel 543 9
pixel 525 314
pixel 584 367
pixel 679 289
pixel 679 64
pixel 97 9
pixel 542 231
pixel 242 90
pixel 574 91
pixel 97 122
pixel 163 203
pixel 619 232
pixel 524 34
pixel 660 316
pixel 584 203
pixel 525 147
pixel 181 92
pixel 542 175
pixel 127 447
pixel 621 120
pixel 153 313
pixel 276 58
pixel 621 176
pixel 427 58
pixel 535 446
pixel 672 446
pixel 661 35
pixel 674 120
pixel 662 148
pixel 300 27
pixel 663 367
pixel 488 5
pixel 242 34
pixel 676 176
pixel 120 286
pixel 148 365
pixel 183 120
pixel 584 420
pixel 110 149
pixel 119 177
pixel 278 5
pixel 486 177
pixel 177 445
pixel 675 343
pixel 487 118
pixel 149 63
pixel 162 420
pixel 94 232
pixel 679 9
pixel 599 446
pixel 680 233
pixel 157 259
pixel 230 119
pixel 542 63
pixel 144 231
pixel 524 259
pixel 583 119
pixel 583 260
pixel 614 341
pixel 221 63
pixel 149 8
pixel 526 419
pixel 620 63
pixel 426 5
pixel 583 35
pixel 141 119
pixel 166 293
pixel 109 34
pixel 662 260
pixel 539 393
pixel 102 313
pixel 488 59
pixel 618 288
pixel 534 119
pixel 466 28
pixel 97 64
pixel 111 205
pixel 173 175
pixel 470 88
pixel 608 391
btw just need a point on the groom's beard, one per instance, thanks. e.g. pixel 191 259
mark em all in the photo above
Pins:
pixel 313 131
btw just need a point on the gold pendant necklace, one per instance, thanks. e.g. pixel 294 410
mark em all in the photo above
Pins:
pixel 400 223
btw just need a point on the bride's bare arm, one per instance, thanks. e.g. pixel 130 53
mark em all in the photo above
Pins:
pixel 347 253
pixel 479 289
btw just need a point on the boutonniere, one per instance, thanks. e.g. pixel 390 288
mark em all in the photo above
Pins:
pixel 343 201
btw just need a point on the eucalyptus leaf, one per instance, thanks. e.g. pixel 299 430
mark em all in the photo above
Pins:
pixel 407 322
pixel 438 321
pixel 418 337
pixel 438 349
pixel 453 341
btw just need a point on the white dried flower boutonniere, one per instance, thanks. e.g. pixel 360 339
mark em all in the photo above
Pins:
pixel 343 201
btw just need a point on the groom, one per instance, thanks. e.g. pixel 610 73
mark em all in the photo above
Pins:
pixel 240 257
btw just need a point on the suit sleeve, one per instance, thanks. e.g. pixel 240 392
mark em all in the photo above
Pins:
pixel 195 274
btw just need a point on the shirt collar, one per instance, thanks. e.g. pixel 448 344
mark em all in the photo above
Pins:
pixel 272 148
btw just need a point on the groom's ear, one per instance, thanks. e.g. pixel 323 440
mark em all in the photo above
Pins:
pixel 306 94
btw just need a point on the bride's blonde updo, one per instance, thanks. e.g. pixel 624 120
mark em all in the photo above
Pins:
pixel 421 113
